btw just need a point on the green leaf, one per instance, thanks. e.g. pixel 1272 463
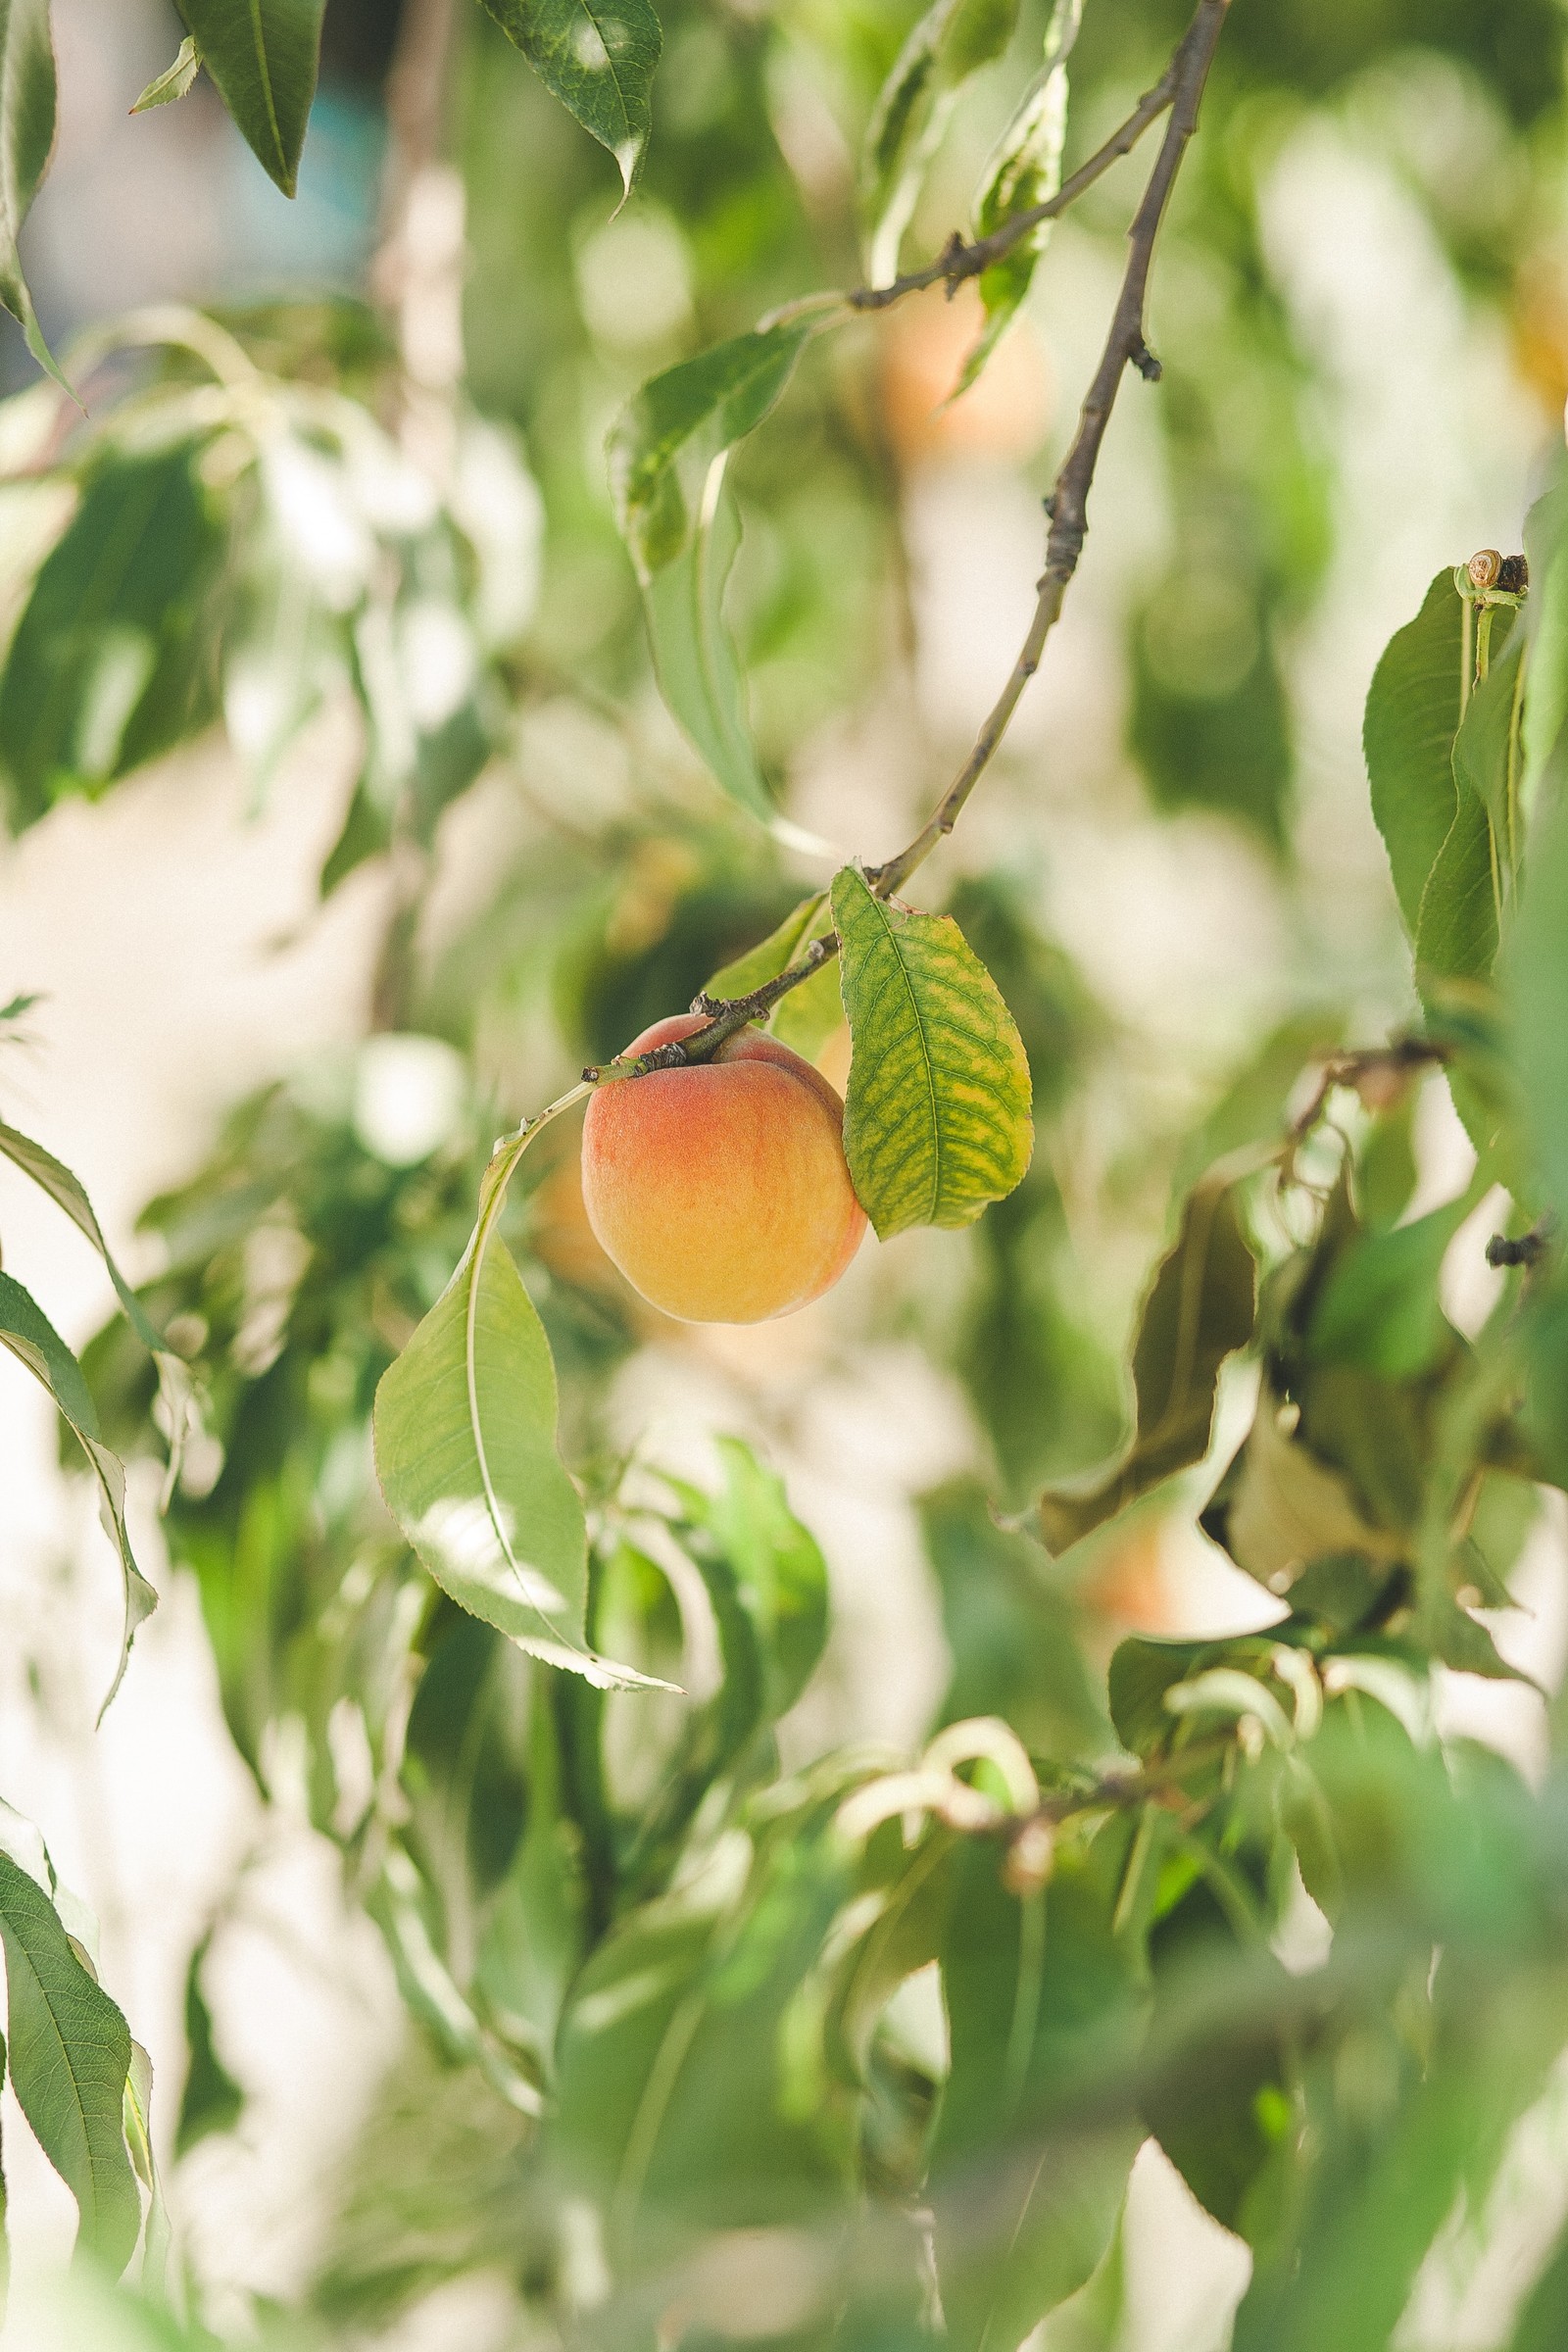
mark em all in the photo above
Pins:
pixel 465 1453
pixel 33 1339
pixel 263 55
pixel 174 81
pixel 1279 1509
pixel 694 654
pixel 1012 1632
pixel 1412 715
pixel 937 1122
pixel 27 136
pixel 1024 171
pixel 666 453
pixel 1200 1310
pixel 70 2060
pixel 773 1567
pixel 951 41
pixel 681 2104
pixel 1379 1308
pixel 111 660
pixel 68 1193
pixel 1546 710
pixel 1488 757
pixel 1456 931
pixel 662 445
pixel 1142 1670
pixel 212 2101
pixel 1535 968
pixel 598 57
pixel 1037 1991
pixel 1542 2325
pixel 808 1016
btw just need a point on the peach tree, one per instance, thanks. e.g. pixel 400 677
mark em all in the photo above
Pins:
pixel 885 2031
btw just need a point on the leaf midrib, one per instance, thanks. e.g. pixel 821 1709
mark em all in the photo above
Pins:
pixel 885 919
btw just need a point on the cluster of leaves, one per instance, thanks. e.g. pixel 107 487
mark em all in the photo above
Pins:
pixel 226 542
pixel 82 2083
pixel 902 2026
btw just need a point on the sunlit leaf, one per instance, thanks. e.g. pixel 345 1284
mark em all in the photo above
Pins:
pixel 772 1571
pixel 68 1193
pixel 948 43
pixel 175 80
pixel 598 57
pixel 465 1453
pixel 33 1339
pixel 1199 1311
pixel 694 654
pixel 1024 171
pixel 110 663
pixel 1279 1509
pixel 1412 715
pixel 937 1122
pixel 666 454
pixel 27 136
pixel 662 445
pixel 70 2060
pixel 264 56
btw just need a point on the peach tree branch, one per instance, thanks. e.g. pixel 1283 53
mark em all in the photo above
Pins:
pixel 1181 90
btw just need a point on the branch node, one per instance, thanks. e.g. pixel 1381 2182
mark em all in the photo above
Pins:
pixel 1528 1251
pixel 1144 359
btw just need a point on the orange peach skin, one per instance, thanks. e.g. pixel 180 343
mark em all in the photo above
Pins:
pixel 721 1190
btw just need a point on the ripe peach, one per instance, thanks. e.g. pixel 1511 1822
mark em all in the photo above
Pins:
pixel 720 1191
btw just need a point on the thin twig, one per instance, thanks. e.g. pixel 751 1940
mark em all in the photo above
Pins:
pixel 1125 347
pixel 960 260
pixel 1180 89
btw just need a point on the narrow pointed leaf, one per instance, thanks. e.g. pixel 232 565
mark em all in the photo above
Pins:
pixel 662 445
pixel 70 2062
pixel 113 658
pixel 666 454
pixel 694 654
pixel 175 80
pixel 598 57
pixel 937 1123
pixel 465 1453
pixel 952 42
pixel 68 1193
pixel 27 136
pixel 1199 1309
pixel 1024 171
pixel 263 55
pixel 26 1330
pixel 1412 715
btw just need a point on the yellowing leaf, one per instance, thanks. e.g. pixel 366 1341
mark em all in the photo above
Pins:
pixel 937 1123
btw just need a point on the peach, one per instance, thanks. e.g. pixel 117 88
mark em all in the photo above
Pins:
pixel 720 1191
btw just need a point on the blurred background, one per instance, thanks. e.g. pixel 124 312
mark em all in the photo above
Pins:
pixel 293 1022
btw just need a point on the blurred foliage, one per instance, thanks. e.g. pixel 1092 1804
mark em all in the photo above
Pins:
pixel 672 1973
